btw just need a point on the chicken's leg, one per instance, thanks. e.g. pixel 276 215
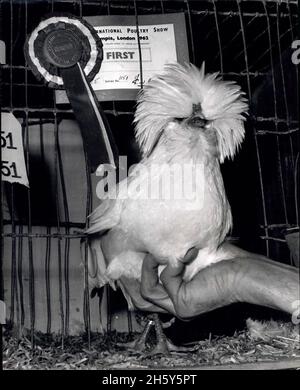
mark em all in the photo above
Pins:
pixel 163 344
pixel 161 339
pixel 139 345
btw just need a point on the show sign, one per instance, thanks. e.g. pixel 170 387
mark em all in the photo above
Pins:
pixel 132 56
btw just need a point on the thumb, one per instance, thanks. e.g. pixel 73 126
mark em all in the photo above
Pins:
pixel 190 255
pixel 176 270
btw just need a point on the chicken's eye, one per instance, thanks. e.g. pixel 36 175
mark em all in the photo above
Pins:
pixel 179 120
pixel 197 121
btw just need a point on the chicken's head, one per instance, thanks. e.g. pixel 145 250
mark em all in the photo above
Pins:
pixel 199 102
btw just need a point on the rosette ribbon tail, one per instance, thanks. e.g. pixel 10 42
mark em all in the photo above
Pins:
pixel 97 136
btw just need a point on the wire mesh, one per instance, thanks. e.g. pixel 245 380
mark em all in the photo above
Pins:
pixel 247 41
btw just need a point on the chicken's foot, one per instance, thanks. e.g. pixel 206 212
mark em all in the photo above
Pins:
pixel 139 345
pixel 164 345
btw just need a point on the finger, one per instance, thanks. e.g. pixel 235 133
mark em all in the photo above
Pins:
pixel 149 278
pixel 150 263
pixel 207 291
pixel 158 296
pixel 199 295
pixel 175 270
pixel 171 278
pixel 190 255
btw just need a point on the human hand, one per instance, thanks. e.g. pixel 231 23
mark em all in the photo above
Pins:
pixel 246 277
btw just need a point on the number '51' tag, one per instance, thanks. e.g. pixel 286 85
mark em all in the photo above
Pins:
pixel 13 168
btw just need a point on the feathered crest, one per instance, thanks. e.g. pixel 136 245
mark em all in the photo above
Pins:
pixel 176 91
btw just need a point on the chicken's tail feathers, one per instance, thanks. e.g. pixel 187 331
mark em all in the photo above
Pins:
pixel 94 265
pixel 104 217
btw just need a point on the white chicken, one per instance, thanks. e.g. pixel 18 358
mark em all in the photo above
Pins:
pixel 187 123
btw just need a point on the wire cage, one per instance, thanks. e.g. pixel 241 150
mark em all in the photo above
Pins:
pixel 247 41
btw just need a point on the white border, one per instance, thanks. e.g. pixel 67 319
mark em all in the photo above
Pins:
pixel 52 78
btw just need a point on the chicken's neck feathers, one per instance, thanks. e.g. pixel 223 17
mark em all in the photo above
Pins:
pixel 195 150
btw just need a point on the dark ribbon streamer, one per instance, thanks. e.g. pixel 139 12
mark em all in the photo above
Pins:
pixel 97 136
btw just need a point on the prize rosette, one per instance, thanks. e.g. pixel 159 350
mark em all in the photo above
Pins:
pixel 66 53
pixel 60 42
